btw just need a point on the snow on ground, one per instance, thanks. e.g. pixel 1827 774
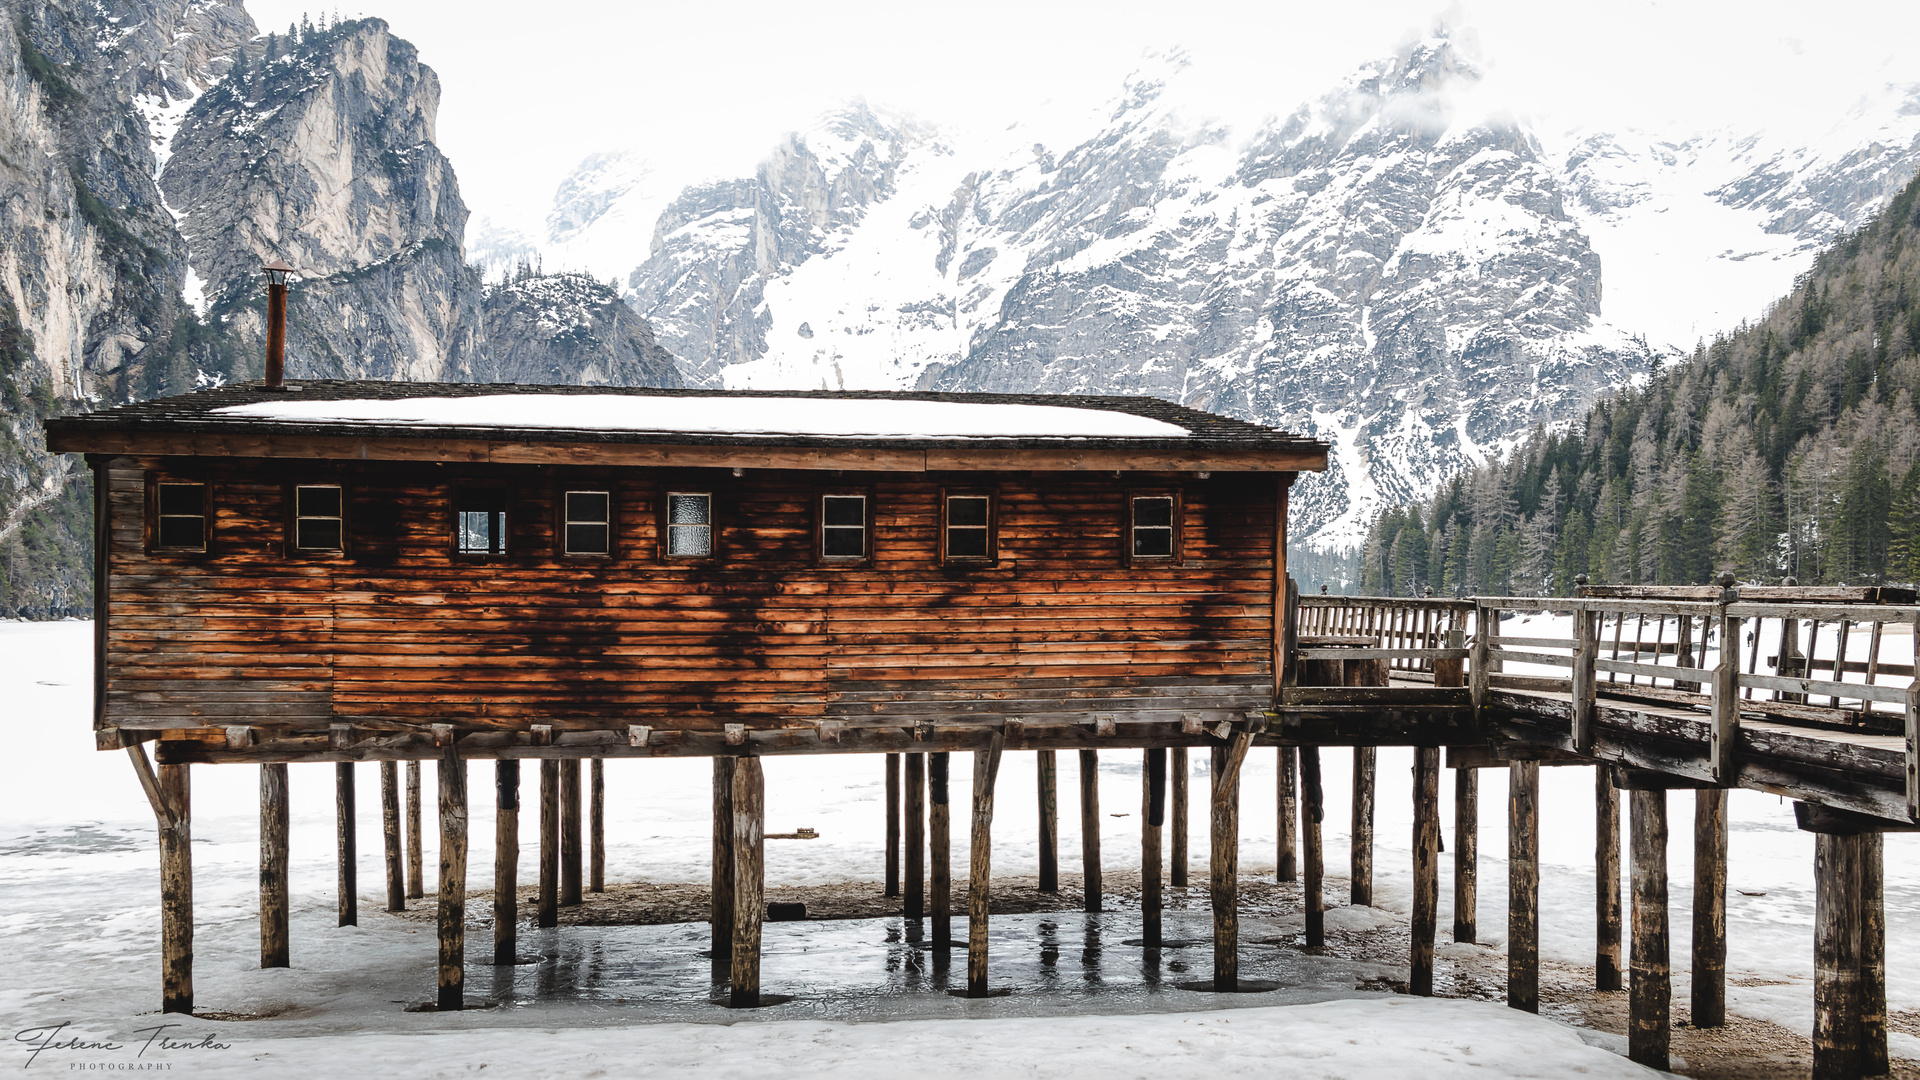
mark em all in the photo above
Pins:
pixel 681 414
pixel 79 869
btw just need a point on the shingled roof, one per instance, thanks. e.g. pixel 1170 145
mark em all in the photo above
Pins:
pixel 250 419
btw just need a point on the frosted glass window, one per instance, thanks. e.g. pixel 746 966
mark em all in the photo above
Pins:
pixel 843 526
pixel 319 519
pixel 1153 527
pixel 589 523
pixel 689 524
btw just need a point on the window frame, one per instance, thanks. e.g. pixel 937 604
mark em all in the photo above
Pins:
pixel 563 517
pixel 502 504
pixel 1175 555
pixel 667 492
pixel 158 480
pixel 992 527
pixel 294 517
pixel 820 497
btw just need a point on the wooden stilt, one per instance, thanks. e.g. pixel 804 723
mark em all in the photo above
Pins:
pixel 1873 957
pixel 275 818
pixel 1287 855
pixel 453 879
pixel 1837 859
pixel 1153 815
pixel 940 840
pixel 1523 886
pixel 597 826
pixel 390 835
pixel 1224 860
pixel 1650 991
pixel 723 884
pixel 916 836
pixel 506 860
pixel 416 874
pixel 1426 867
pixel 1709 908
pixel 1090 827
pixel 1466 855
pixel 986 769
pixel 893 825
pixel 549 913
pixel 1314 902
pixel 1360 860
pixel 345 842
pixel 1049 785
pixel 749 880
pixel 1606 866
pixel 570 832
pixel 176 889
pixel 1177 795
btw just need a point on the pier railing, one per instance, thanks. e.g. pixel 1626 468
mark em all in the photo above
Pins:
pixel 1841 659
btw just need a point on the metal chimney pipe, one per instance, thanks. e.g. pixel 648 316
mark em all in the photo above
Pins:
pixel 276 374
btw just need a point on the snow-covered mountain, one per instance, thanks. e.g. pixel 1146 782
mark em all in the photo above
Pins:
pixel 1396 266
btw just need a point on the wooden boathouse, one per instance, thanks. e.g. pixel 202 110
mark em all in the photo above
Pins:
pixel 353 571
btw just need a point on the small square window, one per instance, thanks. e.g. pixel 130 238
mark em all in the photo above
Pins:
pixel 589 523
pixel 689 525
pixel 481 525
pixel 181 521
pixel 969 524
pixel 319 521
pixel 843 527
pixel 1152 527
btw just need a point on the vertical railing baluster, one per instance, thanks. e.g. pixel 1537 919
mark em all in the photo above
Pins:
pixel 1873 663
pixel 1840 659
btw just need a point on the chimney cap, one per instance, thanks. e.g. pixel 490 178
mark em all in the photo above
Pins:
pixel 277 272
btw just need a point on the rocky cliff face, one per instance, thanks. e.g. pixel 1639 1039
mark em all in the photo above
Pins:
pixel 569 328
pixel 322 154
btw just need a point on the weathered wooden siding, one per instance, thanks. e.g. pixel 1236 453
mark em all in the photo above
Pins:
pixel 399 630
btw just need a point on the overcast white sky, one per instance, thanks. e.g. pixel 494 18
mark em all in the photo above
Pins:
pixel 705 89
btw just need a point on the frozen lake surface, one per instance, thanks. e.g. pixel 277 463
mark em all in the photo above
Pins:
pixel 78 867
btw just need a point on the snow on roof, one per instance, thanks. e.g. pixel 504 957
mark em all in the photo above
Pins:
pixel 680 414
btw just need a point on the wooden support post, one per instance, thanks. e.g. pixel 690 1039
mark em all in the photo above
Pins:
pixel 1049 784
pixel 723 885
pixel 1224 860
pixel 570 832
pixel 1466 855
pixel 275 819
pixel 1523 886
pixel 1314 902
pixel 1649 1004
pixel 916 838
pixel 549 911
pixel 1485 622
pixel 940 840
pixel 986 769
pixel 1426 867
pixel 749 880
pixel 1724 736
pixel 1586 650
pixel 1153 815
pixel 1606 872
pixel 1873 957
pixel 893 826
pixel 453 878
pixel 173 787
pixel 1177 794
pixel 597 826
pixel 1709 908
pixel 506 860
pixel 1090 827
pixel 344 841
pixel 1360 854
pixel 390 835
pixel 1837 859
pixel 416 876
pixel 1287 832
